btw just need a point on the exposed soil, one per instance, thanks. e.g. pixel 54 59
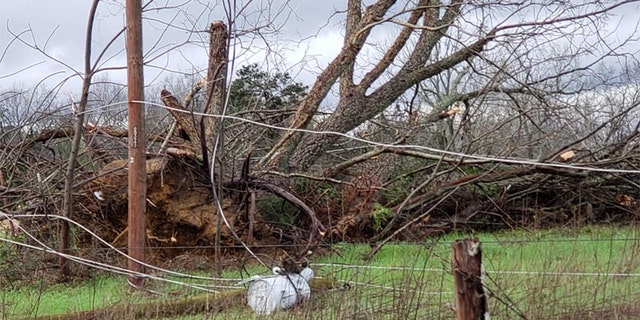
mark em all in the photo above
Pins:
pixel 181 213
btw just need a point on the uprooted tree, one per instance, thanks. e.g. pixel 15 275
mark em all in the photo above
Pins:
pixel 190 212
pixel 458 121
pixel 436 116
pixel 474 107
pixel 203 142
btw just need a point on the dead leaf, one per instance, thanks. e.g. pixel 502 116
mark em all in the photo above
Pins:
pixel 625 200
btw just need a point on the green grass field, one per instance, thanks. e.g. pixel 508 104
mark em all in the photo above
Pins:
pixel 551 274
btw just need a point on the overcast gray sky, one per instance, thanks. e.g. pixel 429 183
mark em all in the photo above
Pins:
pixel 174 37
pixel 302 37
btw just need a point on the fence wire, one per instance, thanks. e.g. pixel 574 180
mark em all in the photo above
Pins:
pixel 552 274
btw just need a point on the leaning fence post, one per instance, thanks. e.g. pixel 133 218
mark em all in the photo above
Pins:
pixel 471 302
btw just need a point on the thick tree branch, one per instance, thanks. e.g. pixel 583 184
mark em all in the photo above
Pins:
pixel 324 82
pixel 353 20
pixel 186 121
pixel 393 51
pixel 429 38
pixel 354 110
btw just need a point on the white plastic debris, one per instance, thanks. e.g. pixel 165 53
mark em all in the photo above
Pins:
pixel 307 274
pixel 98 195
pixel 280 291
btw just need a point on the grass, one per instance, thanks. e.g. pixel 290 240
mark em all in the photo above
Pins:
pixel 549 274
pixel 39 299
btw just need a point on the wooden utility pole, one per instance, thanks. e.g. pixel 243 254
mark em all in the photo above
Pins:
pixel 137 142
pixel 471 301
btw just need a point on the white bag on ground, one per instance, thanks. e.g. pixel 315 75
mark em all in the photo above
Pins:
pixel 267 295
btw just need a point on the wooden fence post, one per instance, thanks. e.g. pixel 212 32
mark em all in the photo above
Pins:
pixel 471 302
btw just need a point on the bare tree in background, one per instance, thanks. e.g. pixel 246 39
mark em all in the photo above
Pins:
pixel 502 46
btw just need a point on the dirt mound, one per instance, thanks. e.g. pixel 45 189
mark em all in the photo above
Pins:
pixel 181 212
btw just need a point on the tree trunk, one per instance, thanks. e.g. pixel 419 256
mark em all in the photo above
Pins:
pixel 67 209
pixel 355 106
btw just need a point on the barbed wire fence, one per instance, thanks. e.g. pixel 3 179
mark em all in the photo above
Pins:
pixel 556 276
